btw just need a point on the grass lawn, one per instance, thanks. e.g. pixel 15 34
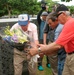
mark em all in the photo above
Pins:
pixel 46 71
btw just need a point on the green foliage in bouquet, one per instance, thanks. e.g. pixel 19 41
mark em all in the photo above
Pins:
pixel 8 32
pixel 17 38
pixel 16 35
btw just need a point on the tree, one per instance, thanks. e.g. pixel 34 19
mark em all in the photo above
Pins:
pixel 28 6
pixel 19 6
pixel 7 5
pixel 51 4
pixel 16 7
pixel 66 0
pixel 71 9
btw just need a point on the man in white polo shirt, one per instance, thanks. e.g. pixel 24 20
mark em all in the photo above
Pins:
pixel 19 56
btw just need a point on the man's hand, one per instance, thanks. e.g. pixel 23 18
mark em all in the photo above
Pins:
pixel 41 45
pixel 47 8
pixel 33 51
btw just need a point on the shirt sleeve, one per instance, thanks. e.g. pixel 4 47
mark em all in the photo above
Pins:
pixel 38 17
pixel 66 35
pixel 46 28
pixel 15 26
pixel 35 33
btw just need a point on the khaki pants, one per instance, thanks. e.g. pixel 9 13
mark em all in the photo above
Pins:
pixel 53 59
pixel 19 57
pixel 69 65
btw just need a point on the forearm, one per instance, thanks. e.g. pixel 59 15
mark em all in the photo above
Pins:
pixel 44 38
pixel 38 17
pixel 51 47
pixel 45 48
pixel 36 43
pixel 51 53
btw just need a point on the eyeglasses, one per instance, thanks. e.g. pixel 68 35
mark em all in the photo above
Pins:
pixel 59 14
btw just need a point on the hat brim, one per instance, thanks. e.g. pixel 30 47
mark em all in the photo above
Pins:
pixel 23 23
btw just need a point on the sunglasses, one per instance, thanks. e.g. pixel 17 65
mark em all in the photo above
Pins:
pixel 59 14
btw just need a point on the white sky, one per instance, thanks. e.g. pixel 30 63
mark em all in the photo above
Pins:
pixel 71 3
pixel 66 3
pixel 39 0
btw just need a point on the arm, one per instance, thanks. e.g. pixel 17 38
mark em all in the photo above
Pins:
pixel 45 37
pixel 36 42
pixel 35 35
pixel 47 9
pixel 38 17
pixel 65 36
pixel 46 30
pixel 45 48
pixel 40 12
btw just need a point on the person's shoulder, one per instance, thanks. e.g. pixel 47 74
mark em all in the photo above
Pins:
pixel 32 24
pixel 60 25
pixel 16 25
pixel 71 20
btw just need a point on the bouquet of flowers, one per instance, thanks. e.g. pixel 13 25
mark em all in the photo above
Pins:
pixel 16 38
pixel 19 40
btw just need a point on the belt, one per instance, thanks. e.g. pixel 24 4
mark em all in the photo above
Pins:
pixel 71 53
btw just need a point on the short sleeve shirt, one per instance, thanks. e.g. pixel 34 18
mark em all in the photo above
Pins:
pixel 50 33
pixel 66 37
pixel 32 29
pixel 58 30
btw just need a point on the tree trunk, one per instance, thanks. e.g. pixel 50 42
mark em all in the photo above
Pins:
pixel 9 11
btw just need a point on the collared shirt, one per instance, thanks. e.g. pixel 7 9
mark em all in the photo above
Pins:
pixel 61 52
pixel 31 31
pixel 66 37
pixel 58 31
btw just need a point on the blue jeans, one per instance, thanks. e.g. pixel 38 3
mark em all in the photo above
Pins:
pixel 60 66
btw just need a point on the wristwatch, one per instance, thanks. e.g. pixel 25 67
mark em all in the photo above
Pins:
pixel 39 50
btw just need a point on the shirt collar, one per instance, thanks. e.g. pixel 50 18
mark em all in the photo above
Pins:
pixel 29 27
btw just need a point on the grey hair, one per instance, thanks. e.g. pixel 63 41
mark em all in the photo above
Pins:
pixel 51 16
pixel 67 12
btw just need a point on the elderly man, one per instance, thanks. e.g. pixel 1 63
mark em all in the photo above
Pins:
pixel 57 28
pixel 65 39
pixel 19 56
